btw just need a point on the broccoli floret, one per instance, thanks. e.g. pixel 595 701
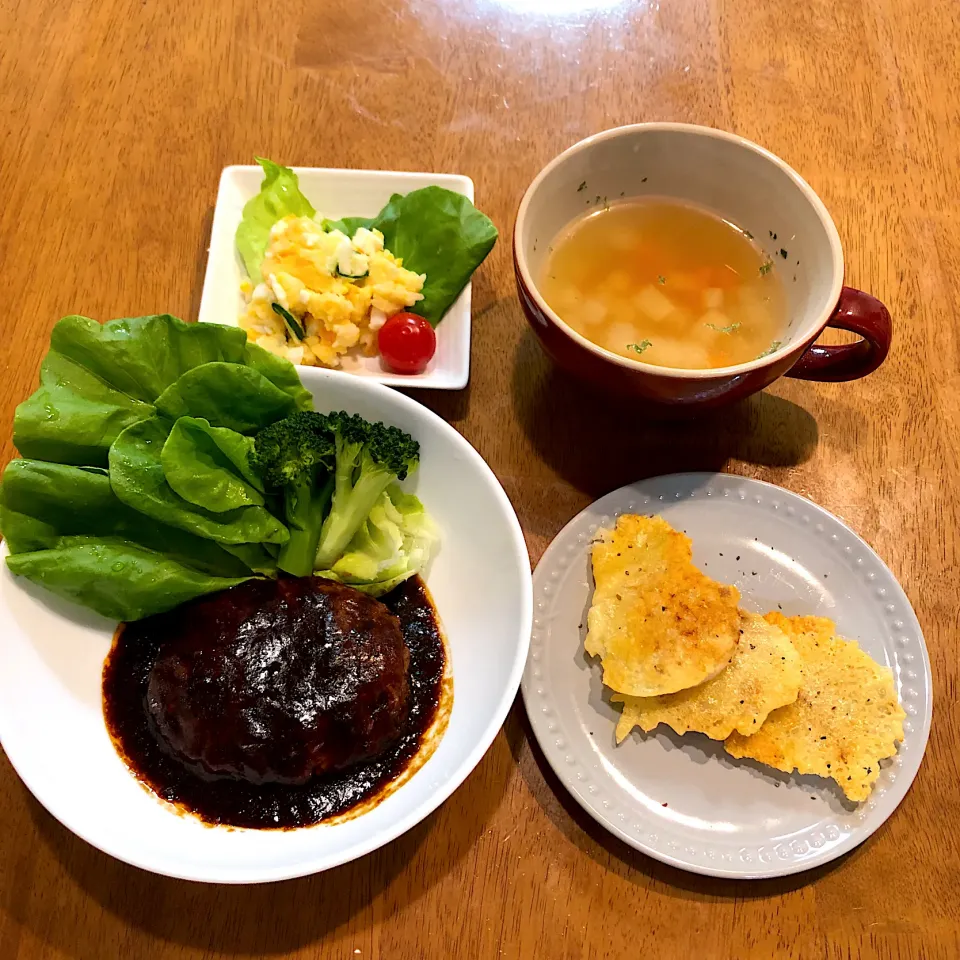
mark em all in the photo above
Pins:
pixel 295 457
pixel 369 457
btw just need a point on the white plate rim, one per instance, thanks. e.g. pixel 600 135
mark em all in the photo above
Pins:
pixel 247 875
pixel 559 759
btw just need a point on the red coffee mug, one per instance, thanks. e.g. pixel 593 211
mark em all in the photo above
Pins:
pixel 741 182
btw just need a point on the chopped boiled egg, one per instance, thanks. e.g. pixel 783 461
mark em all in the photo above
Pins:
pixel 340 289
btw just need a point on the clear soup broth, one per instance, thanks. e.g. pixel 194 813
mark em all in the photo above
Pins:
pixel 668 283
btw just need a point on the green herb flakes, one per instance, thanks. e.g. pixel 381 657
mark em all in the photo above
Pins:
pixel 733 328
pixel 293 325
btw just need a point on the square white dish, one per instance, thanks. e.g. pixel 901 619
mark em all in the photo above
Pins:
pixel 335 193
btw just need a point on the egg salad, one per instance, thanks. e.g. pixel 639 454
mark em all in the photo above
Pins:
pixel 324 293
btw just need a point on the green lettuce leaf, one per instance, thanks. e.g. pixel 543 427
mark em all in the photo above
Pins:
pixel 98 379
pixel 258 557
pixel 142 356
pixel 138 479
pixel 66 531
pixel 40 503
pixel 226 395
pixel 279 197
pixel 210 466
pixel 349 225
pixel 124 541
pixel 116 578
pixel 439 233
pixel 73 417
pixel 280 372
pixel 34 513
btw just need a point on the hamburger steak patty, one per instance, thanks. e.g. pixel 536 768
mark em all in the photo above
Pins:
pixel 279 680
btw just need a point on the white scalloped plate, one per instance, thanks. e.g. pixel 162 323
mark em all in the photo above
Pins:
pixel 682 800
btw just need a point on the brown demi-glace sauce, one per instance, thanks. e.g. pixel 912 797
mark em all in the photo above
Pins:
pixel 241 803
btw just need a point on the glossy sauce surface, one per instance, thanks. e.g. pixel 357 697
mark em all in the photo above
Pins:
pixel 242 802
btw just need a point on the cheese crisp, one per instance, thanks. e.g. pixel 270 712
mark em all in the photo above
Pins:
pixel 657 623
pixel 844 722
pixel 765 674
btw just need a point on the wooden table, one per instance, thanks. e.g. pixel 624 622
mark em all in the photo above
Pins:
pixel 116 119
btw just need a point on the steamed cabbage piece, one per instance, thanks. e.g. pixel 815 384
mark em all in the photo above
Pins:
pixel 394 542
pixel 136 492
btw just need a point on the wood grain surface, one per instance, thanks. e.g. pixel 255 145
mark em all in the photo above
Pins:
pixel 117 116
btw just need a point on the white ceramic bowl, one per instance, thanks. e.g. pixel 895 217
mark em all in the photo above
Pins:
pixel 335 193
pixel 52 653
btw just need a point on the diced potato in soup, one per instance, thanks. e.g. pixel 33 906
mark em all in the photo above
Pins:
pixel 619 335
pixel 654 304
pixel 593 311
pixel 713 298
pixel 670 352
pixel 667 283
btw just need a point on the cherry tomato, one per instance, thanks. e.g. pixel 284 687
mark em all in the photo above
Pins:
pixel 407 342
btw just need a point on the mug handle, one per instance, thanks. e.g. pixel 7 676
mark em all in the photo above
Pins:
pixel 857 312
